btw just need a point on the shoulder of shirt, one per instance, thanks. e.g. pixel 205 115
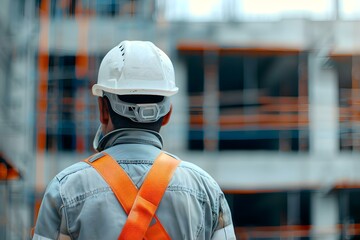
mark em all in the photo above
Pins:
pixel 191 167
pixel 71 170
pixel 187 166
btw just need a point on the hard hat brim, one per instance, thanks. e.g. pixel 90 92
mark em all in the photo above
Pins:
pixel 98 90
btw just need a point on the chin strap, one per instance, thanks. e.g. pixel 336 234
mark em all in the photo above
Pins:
pixel 100 140
pixel 97 139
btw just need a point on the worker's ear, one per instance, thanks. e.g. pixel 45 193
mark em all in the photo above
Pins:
pixel 104 110
pixel 166 118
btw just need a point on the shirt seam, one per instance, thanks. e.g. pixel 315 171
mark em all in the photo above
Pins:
pixel 201 227
pixel 82 197
pixel 65 213
pixel 140 161
pixel 62 175
pixel 199 195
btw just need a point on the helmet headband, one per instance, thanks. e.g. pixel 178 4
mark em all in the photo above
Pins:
pixel 139 112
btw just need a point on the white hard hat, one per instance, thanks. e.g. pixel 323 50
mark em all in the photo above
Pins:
pixel 136 67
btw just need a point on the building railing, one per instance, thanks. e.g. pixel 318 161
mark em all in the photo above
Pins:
pixel 297 231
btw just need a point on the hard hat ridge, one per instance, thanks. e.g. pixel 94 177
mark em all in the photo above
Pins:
pixel 136 67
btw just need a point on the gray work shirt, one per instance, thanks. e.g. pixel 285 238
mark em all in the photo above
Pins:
pixel 79 204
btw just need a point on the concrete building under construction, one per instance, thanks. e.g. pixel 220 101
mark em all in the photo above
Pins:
pixel 269 103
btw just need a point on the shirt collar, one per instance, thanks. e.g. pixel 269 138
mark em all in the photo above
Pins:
pixel 131 136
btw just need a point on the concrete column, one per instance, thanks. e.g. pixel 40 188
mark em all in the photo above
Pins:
pixel 211 101
pixel 324 216
pixel 324 143
pixel 323 110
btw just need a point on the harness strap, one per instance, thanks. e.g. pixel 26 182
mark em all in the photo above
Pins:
pixel 149 197
pixel 139 206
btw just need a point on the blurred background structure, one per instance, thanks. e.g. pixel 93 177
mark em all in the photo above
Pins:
pixel 269 103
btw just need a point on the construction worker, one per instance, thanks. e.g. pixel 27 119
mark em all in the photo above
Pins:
pixel 131 189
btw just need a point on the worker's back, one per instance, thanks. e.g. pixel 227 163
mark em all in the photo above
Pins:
pixel 189 209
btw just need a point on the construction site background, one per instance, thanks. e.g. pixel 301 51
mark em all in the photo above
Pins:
pixel 268 103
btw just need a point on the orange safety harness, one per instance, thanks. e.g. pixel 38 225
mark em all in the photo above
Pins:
pixel 139 205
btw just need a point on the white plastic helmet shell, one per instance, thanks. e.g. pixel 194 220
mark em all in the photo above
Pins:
pixel 136 67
